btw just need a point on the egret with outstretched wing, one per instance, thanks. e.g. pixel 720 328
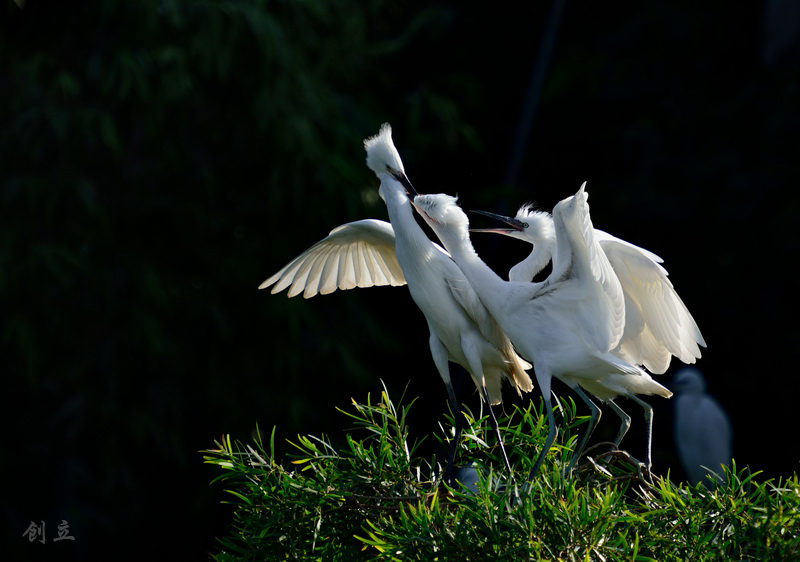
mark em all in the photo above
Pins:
pixel 569 325
pixel 658 325
pixel 360 255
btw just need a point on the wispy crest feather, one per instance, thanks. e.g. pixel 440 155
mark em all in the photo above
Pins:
pixel 382 152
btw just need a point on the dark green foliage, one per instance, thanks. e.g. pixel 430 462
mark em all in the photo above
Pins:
pixel 374 497
pixel 160 158
pixel 156 159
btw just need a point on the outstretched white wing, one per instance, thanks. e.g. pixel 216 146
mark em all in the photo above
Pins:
pixel 657 323
pixel 356 254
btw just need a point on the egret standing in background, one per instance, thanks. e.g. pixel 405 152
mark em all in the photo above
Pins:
pixel 657 323
pixel 702 431
pixel 570 325
pixel 370 252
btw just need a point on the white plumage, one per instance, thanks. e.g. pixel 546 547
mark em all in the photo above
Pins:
pixel 367 253
pixel 572 324
pixel 356 254
pixel 657 323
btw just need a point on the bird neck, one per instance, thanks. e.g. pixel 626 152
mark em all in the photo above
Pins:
pixel 527 269
pixel 489 286
pixel 409 236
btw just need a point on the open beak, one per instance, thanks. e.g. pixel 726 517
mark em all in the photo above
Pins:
pixel 516 225
pixel 404 181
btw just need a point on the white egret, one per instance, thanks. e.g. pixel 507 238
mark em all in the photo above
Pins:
pixel 570 325
pixel 702 430
pixel 367 253
pixel 657 323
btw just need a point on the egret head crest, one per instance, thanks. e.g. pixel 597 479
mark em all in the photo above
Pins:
pixel 442 210
pixel 539 225
pixel 382 156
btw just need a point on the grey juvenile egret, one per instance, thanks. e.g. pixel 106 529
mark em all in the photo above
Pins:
pixel 702 431
pixel 657 323
pixel 371 252
pixel 570 325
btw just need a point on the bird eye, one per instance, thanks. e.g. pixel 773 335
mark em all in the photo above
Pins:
pixel 525 225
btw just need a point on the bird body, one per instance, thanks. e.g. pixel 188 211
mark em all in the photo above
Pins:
pixel 581 302
pixel 459 323
pixel 657 323
pixel 702 430
pixel 370 253
pixel 367 253
pixel 570 325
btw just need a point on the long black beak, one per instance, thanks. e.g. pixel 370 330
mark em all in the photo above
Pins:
pixel 403 179
pixel 515 224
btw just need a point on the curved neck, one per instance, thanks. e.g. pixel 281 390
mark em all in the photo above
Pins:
pixel 410 239
pixel 489 286
pixel 527 269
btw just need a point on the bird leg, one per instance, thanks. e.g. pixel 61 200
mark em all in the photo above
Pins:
pixel 644 467
pixel 470 346
pixel 551 436
pixel 623 429
pixel 624 426
pixel 458 424
pixel 648 420
pixel 642 474
pixel 440 359
pixel 596 413
pixel 496 428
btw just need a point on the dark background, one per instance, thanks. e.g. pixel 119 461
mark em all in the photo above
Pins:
pixel 159 159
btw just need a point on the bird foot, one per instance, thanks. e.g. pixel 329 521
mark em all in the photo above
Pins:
pixel 604 462
pixel 610 444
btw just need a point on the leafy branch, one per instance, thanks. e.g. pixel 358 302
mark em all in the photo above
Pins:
pixel 375 497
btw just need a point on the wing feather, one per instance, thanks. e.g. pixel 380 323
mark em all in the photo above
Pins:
pixel 579 257
pixel 665 326
pixel 356 254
